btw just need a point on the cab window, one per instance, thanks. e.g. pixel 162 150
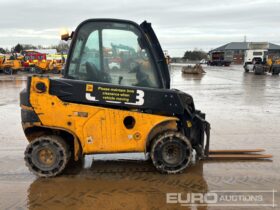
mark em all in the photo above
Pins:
pixel 112 53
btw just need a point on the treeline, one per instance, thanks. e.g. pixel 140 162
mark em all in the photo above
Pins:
pixel 195 55
pixel 61 47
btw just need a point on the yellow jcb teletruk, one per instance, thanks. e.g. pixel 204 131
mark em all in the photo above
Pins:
pixel 95 108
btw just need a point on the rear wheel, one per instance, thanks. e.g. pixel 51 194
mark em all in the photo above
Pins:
pixel 274 70
pixel 47 156
pixel 8 70
pixel 171 152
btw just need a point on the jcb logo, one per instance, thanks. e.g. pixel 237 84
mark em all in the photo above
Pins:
pixel 89 88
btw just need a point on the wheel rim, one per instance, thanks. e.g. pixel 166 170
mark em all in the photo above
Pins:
pixel 172 153
pixel 46 156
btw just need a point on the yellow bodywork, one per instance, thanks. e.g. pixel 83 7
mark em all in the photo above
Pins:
pixel 13 64
pixel 1 62
pixel 54 65
pixel 271 61
pixel 44 65
pixel 48 65
pixel 98 129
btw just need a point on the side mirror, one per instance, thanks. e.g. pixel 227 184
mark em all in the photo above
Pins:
pixel 65 37
pixel 64 34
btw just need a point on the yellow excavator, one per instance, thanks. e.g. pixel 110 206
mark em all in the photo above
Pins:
pixel 93 109
pixel 47 66
pixel 11 65
pixel 273 65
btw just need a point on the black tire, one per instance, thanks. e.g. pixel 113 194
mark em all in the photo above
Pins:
pixel 32 69
pixel 246 68
pixel 259 70
pixel 272 71
pixel 38 70
pixel 8 70
pixel 55 71
pixel 171 152
pixel 47 156
pixel 275 71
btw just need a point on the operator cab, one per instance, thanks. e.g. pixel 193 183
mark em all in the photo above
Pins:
pixel 113 52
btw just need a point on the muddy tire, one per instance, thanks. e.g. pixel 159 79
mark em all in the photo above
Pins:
pixel 55 71
pixel 47 156
pixel 246 70
pixel 171 152
pixel 39 71
pixel 8 70
pixel 32 69
pixel 275 70
pixel 259 70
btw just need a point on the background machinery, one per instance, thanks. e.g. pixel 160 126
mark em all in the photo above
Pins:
pixel 273 65
pixel 256 59
pixel 48 66
pixel 93 110
pixel 12 64
pixel 220 58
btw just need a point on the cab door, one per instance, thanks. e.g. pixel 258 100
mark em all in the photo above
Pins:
pixel 109 57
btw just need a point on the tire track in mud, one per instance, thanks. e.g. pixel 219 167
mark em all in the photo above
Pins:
pixel 152 185
pixel 104 181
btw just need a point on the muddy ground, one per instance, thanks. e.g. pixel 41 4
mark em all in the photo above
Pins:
pixel 244 112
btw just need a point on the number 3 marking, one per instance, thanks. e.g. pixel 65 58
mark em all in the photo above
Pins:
pixel 139 98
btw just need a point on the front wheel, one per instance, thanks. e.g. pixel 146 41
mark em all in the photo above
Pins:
pixel 38 70
pixel 55 71
pixel 171 152
pixel 47 156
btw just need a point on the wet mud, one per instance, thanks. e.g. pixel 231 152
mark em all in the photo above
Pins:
pixel 244 113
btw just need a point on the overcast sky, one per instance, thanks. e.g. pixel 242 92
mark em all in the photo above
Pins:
pixel 179 24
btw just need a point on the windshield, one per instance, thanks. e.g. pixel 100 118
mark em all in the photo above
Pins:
pixel 112 53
